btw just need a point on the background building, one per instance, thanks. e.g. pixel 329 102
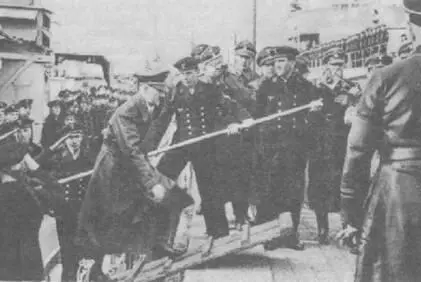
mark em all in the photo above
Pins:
pixel 25 55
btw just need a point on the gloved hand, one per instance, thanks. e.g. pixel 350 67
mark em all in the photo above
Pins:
pixel 248 123
pixel 233 128
pixel 348 236
pixel 157 193
pixel 252 213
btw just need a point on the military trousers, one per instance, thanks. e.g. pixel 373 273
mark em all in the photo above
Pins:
pixel 233 172
pixel 202 157
pixel 326 159
pixel 279 183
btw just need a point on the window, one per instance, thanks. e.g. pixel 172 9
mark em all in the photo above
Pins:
pixel 45 40
pixel 46 21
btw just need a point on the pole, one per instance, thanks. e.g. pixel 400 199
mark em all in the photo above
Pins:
pixel 208 136
pixel 225 131
pixel 254 29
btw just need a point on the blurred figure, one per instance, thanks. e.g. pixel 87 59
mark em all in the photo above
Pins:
pixel 52 124
pixel 386 225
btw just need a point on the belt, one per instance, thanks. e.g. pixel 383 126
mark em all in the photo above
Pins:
pixel 402 153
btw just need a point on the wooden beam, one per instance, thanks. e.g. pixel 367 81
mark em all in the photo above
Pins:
pixel 23 57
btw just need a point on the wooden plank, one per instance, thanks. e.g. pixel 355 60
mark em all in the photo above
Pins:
pixel 247 266
pixel 222 247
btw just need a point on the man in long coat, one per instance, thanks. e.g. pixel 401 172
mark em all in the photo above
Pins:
pixel 387 119
pixel 124 186
pixel 282 145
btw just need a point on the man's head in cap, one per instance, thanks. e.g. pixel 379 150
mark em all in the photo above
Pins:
pixel 210 60
pixel 284 60
pixel 265 61
pixel 188 68
pixel 74 139
pixel 55 107
pixel 3 107
pixel 151 96
pixel 70 120
pixel 198 50
pixel 25 130
pixel 413 8
pixel 12 113
pixel 377 62
pixel 24 107
pixel 334 61
pixel 73 106
pixel 245 52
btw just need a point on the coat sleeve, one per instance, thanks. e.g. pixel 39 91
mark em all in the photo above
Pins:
pixel 158 126
pixel 125 125
pixel 362 140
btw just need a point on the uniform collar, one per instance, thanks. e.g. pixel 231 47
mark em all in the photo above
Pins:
pixel 144 110
pixel 199 87
pixel 417 50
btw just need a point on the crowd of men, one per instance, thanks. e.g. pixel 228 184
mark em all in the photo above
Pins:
pixel 130 205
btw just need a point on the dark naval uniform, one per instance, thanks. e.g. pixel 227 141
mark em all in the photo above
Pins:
pixel 237 174
pixel 197 112
pixel 64 164
pixel 20 221
pixel 387 119
pixel 282 146
pixel 51 126
pixel 329 133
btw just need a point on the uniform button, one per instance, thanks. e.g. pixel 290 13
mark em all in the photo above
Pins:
pixel 203 126
pixel 189 127
pixel 187 115
pixel 279 111
pixel 66 192
pixel 202 108
pixel 279 126
pixel 66 199
pixel 190 133
pixel 203 132
pixel 279 118
pixel 279 104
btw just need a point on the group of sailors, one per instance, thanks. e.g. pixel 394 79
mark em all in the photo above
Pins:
pixel 128 205
pixel 71 139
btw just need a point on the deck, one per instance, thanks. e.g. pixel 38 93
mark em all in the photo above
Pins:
pixel 315 263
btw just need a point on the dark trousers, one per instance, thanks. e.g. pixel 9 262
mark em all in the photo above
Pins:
pixel 280 183
pixel 69 251
pixel 325 171
pixel 203 160
pixel 233 172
